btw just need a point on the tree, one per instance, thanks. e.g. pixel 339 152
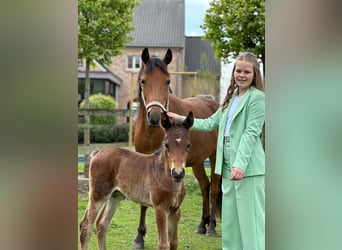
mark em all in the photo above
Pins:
pixel 208 82
pixel 233 26
pixel 103 31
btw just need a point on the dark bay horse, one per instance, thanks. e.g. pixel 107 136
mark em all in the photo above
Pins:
pixel 155 96
pixel 154 180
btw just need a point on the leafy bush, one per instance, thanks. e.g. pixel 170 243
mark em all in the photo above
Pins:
pixel 106 133
pixel 100 101
pixel 121 132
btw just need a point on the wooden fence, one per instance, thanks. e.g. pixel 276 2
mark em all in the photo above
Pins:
pixel 84 122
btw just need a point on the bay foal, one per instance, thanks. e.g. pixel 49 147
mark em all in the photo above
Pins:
pixel 154 180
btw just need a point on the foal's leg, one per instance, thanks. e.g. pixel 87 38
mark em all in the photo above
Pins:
pixel 204 184
pixel 105 217
pixel 87 222
pixel 84 230
pixel 162 226
pixel 173 228
pixel 139 240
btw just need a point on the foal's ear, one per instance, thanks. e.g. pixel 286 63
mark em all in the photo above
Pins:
pixel 145 56
pixel 189 120
pixel 165 121
pixel 168 57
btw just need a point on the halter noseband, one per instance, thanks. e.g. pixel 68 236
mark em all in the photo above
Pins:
pixel 158 104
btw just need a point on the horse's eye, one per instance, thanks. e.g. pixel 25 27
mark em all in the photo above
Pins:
pixel 142 81
pixel 188 146
pixel 166 145
pixel 168 82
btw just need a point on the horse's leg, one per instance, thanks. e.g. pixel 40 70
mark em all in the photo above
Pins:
pixel 204 184
pixel 162 226
pixel 139 240
pixel 216 197
pixel 173 228
pixel 87 223
pixel 105 217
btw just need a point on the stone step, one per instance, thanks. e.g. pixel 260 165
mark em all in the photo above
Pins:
pixel 83 185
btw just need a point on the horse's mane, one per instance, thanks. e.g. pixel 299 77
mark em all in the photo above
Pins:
pixel 154 62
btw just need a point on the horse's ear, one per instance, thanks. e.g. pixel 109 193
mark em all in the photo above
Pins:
pixel 165 121
pixel 189 120
pixel 145 56
pixel 168 57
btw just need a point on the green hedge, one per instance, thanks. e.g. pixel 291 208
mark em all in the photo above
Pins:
pixel 106 133
pixel 101 101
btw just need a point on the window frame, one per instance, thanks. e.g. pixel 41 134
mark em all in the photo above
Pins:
pixel 133 63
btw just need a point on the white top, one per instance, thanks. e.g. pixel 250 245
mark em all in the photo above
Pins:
pixel 230 114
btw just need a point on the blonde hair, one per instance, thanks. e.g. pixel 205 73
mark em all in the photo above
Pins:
pixel 257 79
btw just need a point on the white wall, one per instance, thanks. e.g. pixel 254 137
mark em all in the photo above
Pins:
pixel 226 71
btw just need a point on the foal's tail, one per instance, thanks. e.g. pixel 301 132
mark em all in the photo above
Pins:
pixel 93 153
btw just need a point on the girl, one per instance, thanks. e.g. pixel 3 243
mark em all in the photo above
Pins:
pixel 240 157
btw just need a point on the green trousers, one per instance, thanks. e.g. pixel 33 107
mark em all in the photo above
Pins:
pixel 243 211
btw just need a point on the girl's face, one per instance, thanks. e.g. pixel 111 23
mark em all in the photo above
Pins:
pixel 243 75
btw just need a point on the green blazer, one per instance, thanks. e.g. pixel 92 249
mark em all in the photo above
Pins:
pixel 246 151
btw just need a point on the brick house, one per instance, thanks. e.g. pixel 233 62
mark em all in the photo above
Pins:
pixel 159 25
pixel 102 80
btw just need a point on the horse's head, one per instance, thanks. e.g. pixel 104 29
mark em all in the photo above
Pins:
pixel 176 144
pixel 154 82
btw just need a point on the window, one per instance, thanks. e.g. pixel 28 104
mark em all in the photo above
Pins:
pixel 133 62
pixel 96 86
pixel 137 62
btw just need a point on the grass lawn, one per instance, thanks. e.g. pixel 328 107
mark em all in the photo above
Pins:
pixel 80 167
pixel 123 227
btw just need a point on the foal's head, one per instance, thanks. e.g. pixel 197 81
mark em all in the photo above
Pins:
pixel 176 144
pixel 154 83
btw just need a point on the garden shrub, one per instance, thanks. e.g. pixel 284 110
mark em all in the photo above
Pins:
pixel 100 101
pixel 121 132
pixel 106 129
pixel 106 133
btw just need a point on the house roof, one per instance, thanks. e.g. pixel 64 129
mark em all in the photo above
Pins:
pixel 194 48
pixel 101 72
pixel 159 23
pixel 101 75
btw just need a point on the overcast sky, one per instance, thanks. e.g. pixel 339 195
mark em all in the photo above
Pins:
pixel 194 16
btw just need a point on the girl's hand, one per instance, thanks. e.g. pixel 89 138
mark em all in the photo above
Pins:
pixel 237 174
pixel 173 115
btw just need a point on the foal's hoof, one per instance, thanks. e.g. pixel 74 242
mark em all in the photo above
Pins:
pixel 137 245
